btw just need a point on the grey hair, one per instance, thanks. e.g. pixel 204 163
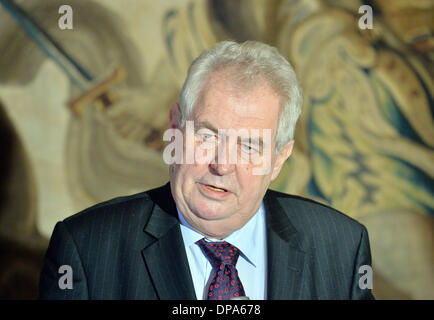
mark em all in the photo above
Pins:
pixel 253 61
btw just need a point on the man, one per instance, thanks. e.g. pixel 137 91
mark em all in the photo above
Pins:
pixel 216 231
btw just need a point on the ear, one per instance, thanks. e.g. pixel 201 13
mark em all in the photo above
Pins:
pixel 281 158
pixel 174 115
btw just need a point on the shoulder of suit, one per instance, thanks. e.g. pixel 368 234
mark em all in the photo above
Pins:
pixel 134 207
pixel 303 211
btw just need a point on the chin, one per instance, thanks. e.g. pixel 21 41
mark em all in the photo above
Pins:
pixel 209 211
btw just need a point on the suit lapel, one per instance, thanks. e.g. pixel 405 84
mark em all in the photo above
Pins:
pixel 286 260
pixel 164 253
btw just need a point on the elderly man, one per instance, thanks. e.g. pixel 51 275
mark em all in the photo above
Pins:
pixel 216 231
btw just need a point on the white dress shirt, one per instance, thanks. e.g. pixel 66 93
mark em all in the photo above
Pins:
pixel 251 264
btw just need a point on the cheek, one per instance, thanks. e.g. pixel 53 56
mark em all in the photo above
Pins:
pixel 187 175
pixel 251 184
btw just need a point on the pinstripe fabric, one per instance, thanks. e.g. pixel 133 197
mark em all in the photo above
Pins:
pixel 126 248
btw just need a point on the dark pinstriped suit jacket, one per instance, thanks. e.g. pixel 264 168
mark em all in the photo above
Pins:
pixel 132 248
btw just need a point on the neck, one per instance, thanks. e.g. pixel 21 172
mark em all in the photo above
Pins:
pixel 215 229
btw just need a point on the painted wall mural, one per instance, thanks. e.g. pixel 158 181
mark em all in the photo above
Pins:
pixel 364 143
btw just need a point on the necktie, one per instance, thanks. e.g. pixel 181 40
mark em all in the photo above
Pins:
pixel 223 257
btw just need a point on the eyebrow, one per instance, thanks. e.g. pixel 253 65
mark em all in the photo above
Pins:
pixel 206 124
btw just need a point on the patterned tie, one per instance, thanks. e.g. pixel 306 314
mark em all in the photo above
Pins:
pixel 223 257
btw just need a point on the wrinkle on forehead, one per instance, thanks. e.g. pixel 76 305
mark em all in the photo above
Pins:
pixel 243 93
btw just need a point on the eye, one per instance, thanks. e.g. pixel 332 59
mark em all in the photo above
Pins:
pixel 205 136
pixel 248 148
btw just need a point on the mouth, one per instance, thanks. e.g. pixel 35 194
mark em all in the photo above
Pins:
pixel 215 188
pixel 213 191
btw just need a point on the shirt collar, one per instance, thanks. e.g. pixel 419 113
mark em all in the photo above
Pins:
pixel 246 239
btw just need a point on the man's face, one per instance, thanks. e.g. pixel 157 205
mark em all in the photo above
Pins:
pixel 217 212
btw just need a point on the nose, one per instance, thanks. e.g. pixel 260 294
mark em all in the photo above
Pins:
pixel 221 169
pixel 222 165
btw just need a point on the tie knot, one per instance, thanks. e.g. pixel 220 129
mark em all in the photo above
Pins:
pixel 219 252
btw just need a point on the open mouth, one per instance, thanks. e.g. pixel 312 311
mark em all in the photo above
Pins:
pixel 216 188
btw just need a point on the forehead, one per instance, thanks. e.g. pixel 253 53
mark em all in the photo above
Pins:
pixel 230 105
